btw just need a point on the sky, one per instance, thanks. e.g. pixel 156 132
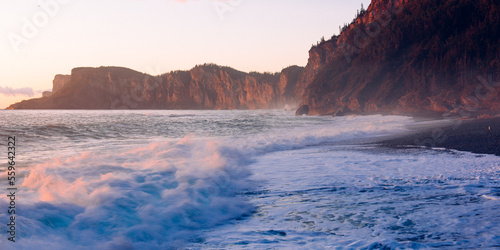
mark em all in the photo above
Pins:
pixel 42 38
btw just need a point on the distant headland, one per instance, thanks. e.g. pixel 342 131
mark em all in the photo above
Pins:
pixel 397 56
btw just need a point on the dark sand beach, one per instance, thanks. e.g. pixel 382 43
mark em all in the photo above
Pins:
pixel 476 135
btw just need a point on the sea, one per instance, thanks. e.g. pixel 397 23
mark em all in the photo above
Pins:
pixel 264 179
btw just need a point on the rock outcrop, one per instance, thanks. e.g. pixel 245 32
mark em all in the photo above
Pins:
pixel 204 87
pixel 59 82
pixel 402 56
pixel 398 56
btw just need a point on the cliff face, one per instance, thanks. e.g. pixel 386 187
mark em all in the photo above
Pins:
pixel 398 56
pixel 404 56
pixel 319 57
pixel 59 82
pixel 203 87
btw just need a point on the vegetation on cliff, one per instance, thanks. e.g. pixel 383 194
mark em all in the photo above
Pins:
pixel 403 56
pixel 204 87
pixel 397 56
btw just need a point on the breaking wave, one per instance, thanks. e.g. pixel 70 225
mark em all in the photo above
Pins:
pixel 160 195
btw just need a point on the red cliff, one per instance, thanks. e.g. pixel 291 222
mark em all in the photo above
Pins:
pixel 405 56
pixel 203 87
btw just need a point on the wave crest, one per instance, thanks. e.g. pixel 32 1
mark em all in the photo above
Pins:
pixel 145 197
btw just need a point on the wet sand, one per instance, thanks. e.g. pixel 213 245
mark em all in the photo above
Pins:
pixel 478 136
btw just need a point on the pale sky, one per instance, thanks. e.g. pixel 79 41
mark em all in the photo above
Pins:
pixel 42 38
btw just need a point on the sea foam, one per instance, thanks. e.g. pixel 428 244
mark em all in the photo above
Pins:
pixel 160 195
pixel 149 197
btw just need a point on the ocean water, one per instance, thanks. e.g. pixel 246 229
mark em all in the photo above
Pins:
pixel 240 180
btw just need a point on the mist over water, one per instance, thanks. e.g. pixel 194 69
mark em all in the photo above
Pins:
pixel 236 179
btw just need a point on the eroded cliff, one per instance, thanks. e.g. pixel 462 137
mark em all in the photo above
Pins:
pixel 403 56
pixel 204 87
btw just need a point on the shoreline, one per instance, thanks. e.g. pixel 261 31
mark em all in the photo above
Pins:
pixel 481 136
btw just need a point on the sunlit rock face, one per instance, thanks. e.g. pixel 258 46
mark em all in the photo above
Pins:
pixel 439 57
pixel 204 87
pixel 59 82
